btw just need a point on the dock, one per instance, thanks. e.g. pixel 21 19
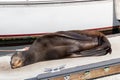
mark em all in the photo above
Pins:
pixel 55 68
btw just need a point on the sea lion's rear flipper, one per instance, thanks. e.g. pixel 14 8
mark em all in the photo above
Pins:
pixel 95 52
pixel 103 48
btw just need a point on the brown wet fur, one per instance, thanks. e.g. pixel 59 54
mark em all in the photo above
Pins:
pixel 63 44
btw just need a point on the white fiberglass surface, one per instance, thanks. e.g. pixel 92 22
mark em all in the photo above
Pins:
pixel 55 17
pixel 42 0
pixel 11 0
pixel 38 68
pixel 117 8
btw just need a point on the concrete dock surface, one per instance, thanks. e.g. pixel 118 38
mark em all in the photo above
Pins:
pixel 6 73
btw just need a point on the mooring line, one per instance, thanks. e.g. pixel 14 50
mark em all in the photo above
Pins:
pixel 24 49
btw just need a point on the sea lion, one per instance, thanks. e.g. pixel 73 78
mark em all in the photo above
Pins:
pixel 63 44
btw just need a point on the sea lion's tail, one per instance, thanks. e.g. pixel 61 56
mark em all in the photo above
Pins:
pixel 104 47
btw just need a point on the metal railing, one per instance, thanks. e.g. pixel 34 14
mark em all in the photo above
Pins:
pixel 32 2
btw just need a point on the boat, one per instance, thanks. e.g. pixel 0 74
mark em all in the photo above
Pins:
pixel 81 68
pixel 24 20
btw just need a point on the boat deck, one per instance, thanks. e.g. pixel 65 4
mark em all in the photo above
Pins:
pixel 6 73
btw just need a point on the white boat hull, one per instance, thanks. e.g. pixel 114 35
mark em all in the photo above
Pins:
pixel 42 18
pixel 117 7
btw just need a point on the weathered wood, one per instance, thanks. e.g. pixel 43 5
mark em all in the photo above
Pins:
pixel 94 73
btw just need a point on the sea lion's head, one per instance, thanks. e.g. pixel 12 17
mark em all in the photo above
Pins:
pixel 17 60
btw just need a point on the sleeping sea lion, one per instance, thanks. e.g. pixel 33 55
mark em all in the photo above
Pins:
pixel 63 44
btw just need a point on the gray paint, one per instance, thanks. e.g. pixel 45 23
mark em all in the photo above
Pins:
pixel 80 68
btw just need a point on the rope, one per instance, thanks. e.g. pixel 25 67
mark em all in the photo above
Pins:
pixel 24 49
pixel 7 50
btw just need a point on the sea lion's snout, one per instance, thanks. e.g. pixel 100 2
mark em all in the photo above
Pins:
pixel 16 63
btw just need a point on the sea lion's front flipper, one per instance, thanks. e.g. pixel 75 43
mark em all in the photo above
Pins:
pixel 73 35
pixel 58 52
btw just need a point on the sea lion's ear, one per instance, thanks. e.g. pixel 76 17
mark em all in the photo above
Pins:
pixel 19 53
